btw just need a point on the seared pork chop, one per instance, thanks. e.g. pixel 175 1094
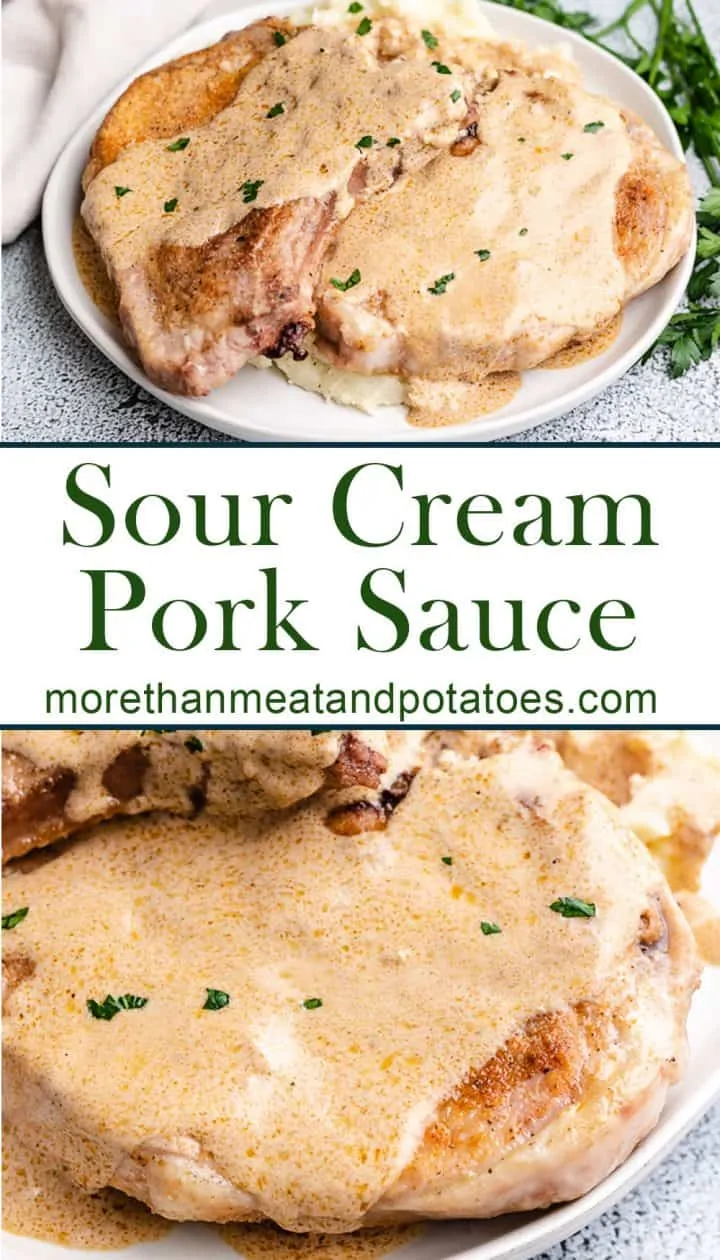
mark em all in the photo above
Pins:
pixel 214 237
pixel 416 1022
pixel 507 249
pixel 56 782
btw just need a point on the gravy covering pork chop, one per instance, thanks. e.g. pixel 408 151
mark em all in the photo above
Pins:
pixel 213 238
pixel 56 782
pixel 510 246
pixel 414 1022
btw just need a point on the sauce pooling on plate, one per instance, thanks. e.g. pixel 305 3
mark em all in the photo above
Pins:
pixel 38 1202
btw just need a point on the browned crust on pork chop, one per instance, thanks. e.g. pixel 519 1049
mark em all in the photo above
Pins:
pixel 181 94
pixel 245 287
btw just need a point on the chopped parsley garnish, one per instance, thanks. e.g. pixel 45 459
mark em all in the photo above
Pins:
pixel 521 139
pixel 178 145
pixel 592 127
pixel 483 254
pixel 440 286
pixel 441 67
pixel 120 191
pixel 523 232
pixel 112 1006
pixel 365 142
pixel 250 189
pixel 276 110
pixel 279 38
pixel 393 142
pixel 566 156
pixel 193 744
pixel 170 205
pixel 429 38
pixel 10 921
pixel 343 285
pixel 355 7
pixel 574 908
pixel 490 929
pixel 365 27
pixel 312 1004
pixel 216 999
pixel 455 96
pixel 447 860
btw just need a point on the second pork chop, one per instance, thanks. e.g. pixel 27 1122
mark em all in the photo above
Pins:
pixel 497 256
pixel 214 237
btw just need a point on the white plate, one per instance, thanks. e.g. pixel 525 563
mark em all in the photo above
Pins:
pixel 511 1237
pixel 261 405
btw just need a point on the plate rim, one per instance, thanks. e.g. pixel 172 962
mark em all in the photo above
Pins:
pixel 482 429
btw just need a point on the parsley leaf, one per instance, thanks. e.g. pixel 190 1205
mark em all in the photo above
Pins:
pixel 216 999
pixel 312 1004
pixel 574 908
pixel 365 142
pixel 193 744
pixel 365 27
pixel 113 1005
pixel 170 205
pixel 483 254
pixel 178 145
pixel 276 110
pixel 447 860
pixel 441 67
pixel 250 190
pixel 490 929
pixel 355 7
pixel 429 39
pixel 592 127
pixel 440 286
pixel 279 39
pixel 393 142
pixel 10 921
pixel 343 285
pixel 120 191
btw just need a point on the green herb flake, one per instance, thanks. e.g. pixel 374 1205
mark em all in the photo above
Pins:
pixel 112 1006
pixel 250 190
pixel 216 999
pixel 355 7
pixel 312 1004
pixel 170 205
pixel 455 96
pixel 574 908
pixel 193 744
pixel 523 232
pixel 441 67
pixel 10 921
pixel 440 286
pixel 365 27
pixel 178 145
pixel 279 39
pixel 276 110
pixel 365 142
pixel 429 39
pixel 121 192
pixel 393 142
pixel 447 860
pixel 482 254
pixel 592 127
pixel 343 285
pixel 490 929
pixel 567 156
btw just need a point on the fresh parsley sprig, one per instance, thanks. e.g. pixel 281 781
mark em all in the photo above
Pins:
pixel 677 62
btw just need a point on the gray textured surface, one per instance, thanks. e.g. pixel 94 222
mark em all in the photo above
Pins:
pixel 59 388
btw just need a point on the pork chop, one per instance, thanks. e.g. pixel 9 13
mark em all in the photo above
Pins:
pixel 508 248
pixel 56 782
pixel 214 237
pixel 476 1010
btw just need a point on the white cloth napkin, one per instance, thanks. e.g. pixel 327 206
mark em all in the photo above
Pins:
pixel 60 58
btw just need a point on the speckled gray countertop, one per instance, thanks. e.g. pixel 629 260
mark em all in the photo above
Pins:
pixel 59 388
